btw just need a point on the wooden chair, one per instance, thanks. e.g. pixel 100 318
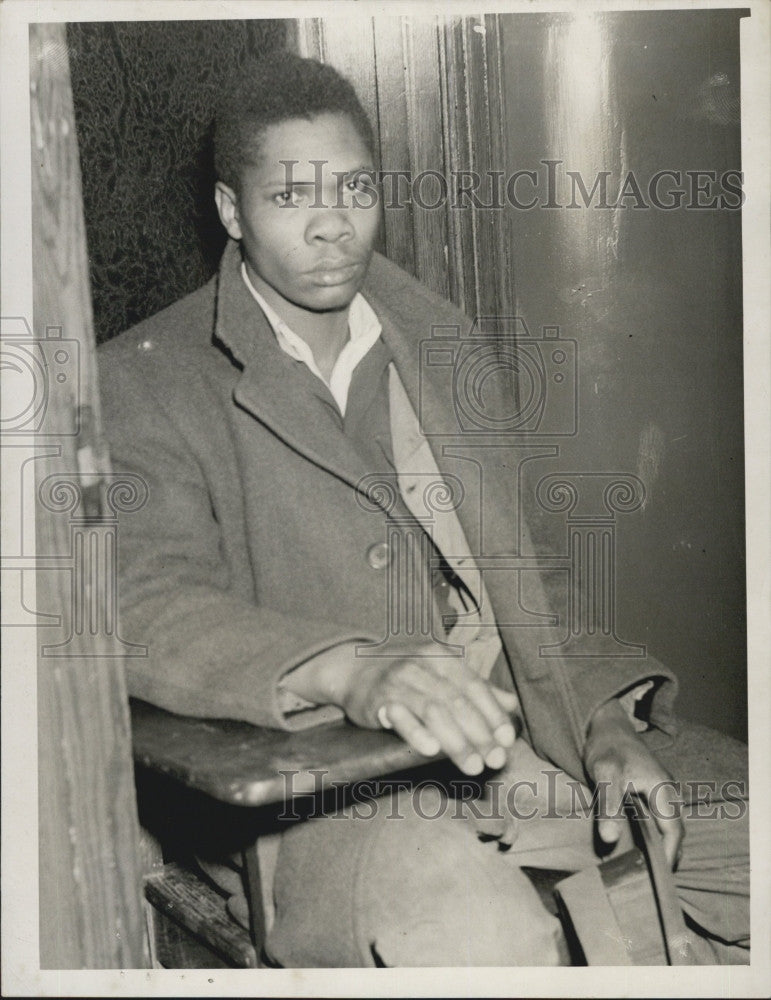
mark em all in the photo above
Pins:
pixel 200 779
pixel 228 782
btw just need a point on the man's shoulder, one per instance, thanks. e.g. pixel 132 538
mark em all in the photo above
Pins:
pixel 409 301
pixel 178 332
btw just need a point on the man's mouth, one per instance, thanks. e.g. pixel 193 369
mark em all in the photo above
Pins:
pixel 336 272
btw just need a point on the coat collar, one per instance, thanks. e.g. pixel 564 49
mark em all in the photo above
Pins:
pixel 272 389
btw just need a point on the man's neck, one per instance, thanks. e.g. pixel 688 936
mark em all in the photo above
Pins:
pixel 326 333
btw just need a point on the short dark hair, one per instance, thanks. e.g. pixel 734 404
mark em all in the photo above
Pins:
pixel 274 89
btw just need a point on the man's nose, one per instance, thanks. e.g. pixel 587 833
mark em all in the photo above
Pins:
pixel 329 225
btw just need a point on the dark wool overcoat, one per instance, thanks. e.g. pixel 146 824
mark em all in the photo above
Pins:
pixel 254 548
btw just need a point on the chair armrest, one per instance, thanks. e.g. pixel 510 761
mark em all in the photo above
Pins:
pixel 245 765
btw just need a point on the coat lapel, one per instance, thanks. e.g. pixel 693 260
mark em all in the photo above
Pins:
pixel 408 315
pixel 273 390
pixel 272 387
pixel 406 328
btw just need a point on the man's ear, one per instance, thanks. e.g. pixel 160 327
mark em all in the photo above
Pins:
pixel 227 206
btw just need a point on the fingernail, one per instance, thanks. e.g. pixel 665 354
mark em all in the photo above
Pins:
pixel 496 757
pixel 474 764
pixel 430 747
pixel 609 832
pixel 505 734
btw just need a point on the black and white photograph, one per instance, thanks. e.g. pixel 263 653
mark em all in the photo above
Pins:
pixel 385 439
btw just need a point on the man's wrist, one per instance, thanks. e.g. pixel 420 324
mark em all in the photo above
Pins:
pixel 326 678
pixel 608 733
pixel 609 724
pixel 609 712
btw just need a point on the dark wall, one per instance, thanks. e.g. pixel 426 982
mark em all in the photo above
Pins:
pixel 653 298
pixel 144 95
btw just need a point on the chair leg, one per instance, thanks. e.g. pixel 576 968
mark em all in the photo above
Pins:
pixel 257 922
pixel 151 935
pixel 192 928
pixel 151 857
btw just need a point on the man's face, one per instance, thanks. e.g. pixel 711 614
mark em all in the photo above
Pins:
pixel 305 230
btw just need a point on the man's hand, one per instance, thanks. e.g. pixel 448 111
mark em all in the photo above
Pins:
pixel 616 757
pixel 435 702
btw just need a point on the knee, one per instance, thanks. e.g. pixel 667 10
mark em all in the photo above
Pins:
pixel 449 942
pixel 448 899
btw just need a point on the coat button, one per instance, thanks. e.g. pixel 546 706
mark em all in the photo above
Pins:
pixel 378 556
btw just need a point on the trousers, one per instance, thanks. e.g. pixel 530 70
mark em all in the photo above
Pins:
pixel 429 874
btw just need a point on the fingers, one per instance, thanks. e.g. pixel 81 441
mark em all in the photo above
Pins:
pixel 612 820
pixel 470 717
pixel 402 720
pixel 482 720
pixel 670 828
pixel 466 741
pixel 483 711
pixel 672 832
pixel 508 700
pixel 635 773
pixel 383 717
pixel 464 715
pixel 495 704
pixel 436 728
pixel 610 831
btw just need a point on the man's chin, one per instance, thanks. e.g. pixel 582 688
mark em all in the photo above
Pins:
pixel 331 299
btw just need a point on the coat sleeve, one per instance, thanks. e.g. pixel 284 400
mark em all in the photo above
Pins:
pixel 210 651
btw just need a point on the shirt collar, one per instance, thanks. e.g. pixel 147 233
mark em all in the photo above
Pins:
pixel 362 318
pixel 364 329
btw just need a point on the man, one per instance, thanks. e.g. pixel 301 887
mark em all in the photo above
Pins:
pixel 286 429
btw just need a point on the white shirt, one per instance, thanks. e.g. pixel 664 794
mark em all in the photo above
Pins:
pixel 363 330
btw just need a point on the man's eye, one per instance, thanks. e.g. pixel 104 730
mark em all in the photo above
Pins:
pixel 286 198
pixel 361 182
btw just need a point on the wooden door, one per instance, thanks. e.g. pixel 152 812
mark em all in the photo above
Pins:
pixel 432 87
pixel 90 885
